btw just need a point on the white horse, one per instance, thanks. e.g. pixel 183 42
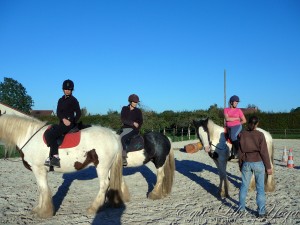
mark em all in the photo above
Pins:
pixel 214 141
pixel 99 146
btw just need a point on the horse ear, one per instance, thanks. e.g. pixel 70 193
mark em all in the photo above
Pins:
pixel 196 123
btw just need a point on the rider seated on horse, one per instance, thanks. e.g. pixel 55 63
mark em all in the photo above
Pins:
pixel 234 118
pixel 132 120
pixel 68 111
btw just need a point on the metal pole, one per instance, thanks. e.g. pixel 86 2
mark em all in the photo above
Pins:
pixel 224 89
pixel 224 93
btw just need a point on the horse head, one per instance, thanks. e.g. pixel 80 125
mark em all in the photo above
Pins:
pixel 204 136
pixel 202 132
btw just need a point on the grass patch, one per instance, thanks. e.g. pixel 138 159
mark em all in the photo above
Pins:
pixel 12 154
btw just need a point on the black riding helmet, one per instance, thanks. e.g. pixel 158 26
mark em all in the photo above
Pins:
pixel 234 98
pixel 68 85
pixel 133 98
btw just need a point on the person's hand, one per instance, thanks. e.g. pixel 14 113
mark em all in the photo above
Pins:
pixel 66 122
pixel 135 124
pixel 269 171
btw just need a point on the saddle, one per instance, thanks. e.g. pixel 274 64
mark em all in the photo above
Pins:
pixel 135 143
pixel 70 139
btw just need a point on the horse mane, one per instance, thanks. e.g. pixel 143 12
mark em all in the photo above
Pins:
pixel 24 126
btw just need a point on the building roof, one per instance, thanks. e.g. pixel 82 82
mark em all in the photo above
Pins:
pixel 249 110
pixel 10 110
pixel 37 113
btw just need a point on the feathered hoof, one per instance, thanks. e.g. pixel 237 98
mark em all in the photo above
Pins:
pixel 91 211
pixel 44 215
pixel 154 196
pixel 270 188
pixel 126 198
pixel 224 195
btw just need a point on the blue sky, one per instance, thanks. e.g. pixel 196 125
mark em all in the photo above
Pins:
pixel 172 53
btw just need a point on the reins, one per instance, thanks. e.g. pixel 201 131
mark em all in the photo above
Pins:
pixel 33 136
pixel 210 142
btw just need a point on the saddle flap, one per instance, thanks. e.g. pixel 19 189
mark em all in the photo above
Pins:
pixel 68 140
pixel 136 143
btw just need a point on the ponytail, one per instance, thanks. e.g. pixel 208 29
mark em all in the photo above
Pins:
pixel 253 121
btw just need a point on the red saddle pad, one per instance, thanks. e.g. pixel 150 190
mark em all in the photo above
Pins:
pixel 71 140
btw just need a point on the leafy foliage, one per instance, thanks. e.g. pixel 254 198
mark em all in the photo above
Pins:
pixel 13 93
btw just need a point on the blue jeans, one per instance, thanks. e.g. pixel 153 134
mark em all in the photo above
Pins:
pixel 234 132
pixel 258 168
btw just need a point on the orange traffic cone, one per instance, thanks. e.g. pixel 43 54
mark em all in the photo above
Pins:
pixel 290 163
pixel 284 156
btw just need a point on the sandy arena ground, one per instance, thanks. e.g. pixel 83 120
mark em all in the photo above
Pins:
pixel 193 200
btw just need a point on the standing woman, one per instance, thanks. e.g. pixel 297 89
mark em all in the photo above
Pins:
pixel 253 159
pixel 234 118
pixel 132 120
pixel 68 112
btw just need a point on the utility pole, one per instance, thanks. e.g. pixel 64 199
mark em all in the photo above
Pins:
pixel 224 89
pixel 224 94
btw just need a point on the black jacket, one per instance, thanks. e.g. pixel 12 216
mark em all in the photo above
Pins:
pixel 128 117
pixel 68 107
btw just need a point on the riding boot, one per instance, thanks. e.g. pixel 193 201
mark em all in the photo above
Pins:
pixel 124 156
pixel 234 150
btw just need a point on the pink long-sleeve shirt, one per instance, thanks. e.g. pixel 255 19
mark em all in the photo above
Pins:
pixel 233 112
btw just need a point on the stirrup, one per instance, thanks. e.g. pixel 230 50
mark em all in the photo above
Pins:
pixel 47 162
pixel 125 162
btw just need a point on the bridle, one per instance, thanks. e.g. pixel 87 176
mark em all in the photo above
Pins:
pixel 209 141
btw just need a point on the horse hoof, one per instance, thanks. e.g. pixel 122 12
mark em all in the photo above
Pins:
pixel 154 196
pixel 91 211
pixel 223 195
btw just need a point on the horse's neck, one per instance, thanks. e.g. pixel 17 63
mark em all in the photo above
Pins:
pixel 20 131
pixel 217 134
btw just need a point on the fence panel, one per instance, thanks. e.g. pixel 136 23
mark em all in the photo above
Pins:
pixel 183 134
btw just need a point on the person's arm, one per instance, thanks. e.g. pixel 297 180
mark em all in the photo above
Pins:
pixel 140 119
pixel 242 117
pixel 59 111
pixel 228 118
pixel 124 118
pixel 77 111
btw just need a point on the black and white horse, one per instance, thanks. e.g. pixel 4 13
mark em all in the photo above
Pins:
pixel 157 149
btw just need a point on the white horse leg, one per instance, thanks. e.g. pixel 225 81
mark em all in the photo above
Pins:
pixel 44 209
pixel 100 198
pixel 221 164
pixel 158 188
pixel 270 183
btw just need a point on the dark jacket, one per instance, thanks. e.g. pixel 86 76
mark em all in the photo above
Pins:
pixel 128 117
pixel 253 148
pixel 68 107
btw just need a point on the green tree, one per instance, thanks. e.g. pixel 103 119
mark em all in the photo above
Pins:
pixel 13 93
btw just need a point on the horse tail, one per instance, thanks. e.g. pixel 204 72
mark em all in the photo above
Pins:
pixel 169 170
pixel 114 193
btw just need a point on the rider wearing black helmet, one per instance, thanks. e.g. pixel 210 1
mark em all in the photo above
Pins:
pixel 234 118
pixel 68 112
pixel 132 120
